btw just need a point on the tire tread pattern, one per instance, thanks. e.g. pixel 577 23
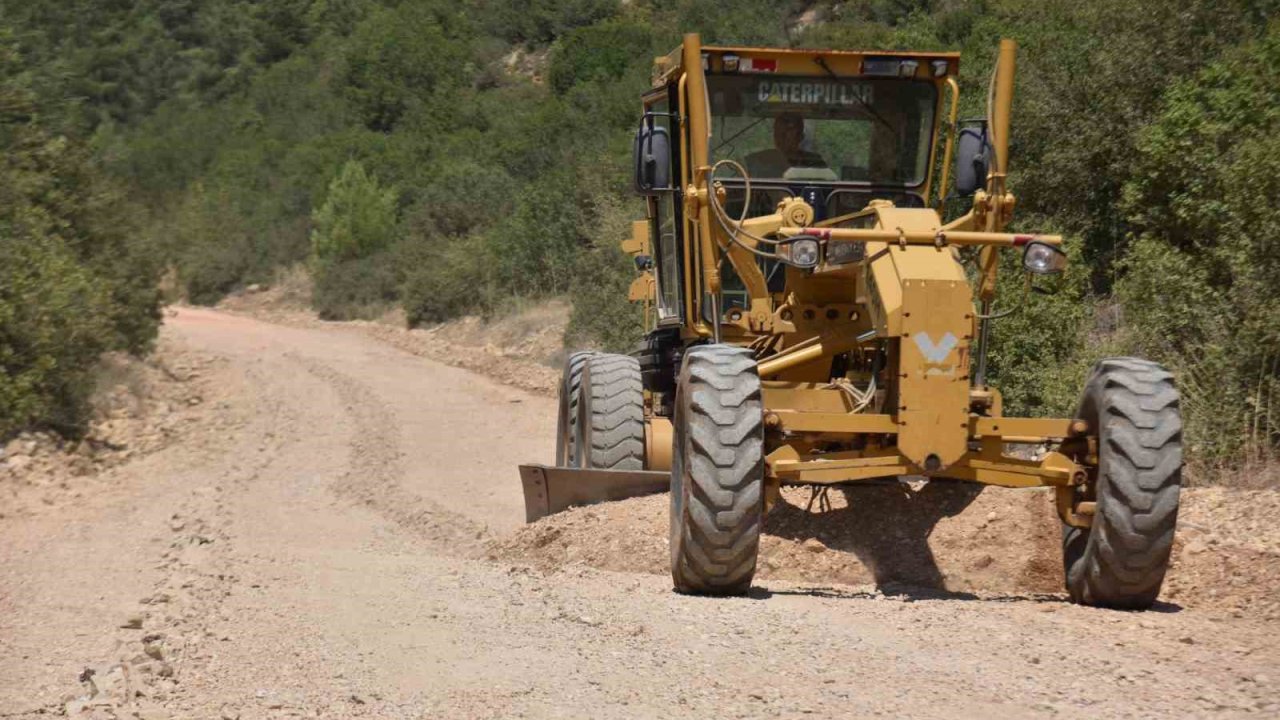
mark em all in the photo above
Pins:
pixel 1121 561
pixel 614 398
pixel 716 526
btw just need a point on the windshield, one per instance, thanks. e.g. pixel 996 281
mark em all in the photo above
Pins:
pixel 823 129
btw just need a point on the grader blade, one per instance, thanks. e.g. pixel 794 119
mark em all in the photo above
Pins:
pixel 548 490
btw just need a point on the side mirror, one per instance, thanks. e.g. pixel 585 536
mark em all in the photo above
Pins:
pixel 652 155
pixel 973 158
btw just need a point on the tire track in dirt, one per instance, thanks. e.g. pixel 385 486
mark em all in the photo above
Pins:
pixel 375 469
pixel 166 638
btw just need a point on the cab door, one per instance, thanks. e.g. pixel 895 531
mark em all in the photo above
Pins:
pixel 665 221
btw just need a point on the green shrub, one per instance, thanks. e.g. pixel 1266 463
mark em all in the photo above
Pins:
pixel 212 251
pixel 540 21
pixel 357 219
pixel 445 278
pixel 55 320
pixel 398 57
pixel 535 249
pixel 352 264
pixel 1199 288
pixel 598 52
pixel 74 281
pixel 462 196
pixel 1041 352
pixel 602 316
pixel 359 289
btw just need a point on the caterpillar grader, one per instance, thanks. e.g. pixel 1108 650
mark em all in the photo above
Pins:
pixel 814 318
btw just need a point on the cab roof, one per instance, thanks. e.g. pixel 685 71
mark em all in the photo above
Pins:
pixel 802 61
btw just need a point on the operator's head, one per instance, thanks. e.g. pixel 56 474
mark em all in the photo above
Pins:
pixel 788 132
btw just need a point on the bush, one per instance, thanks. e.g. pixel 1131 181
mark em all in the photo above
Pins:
pixel 213 252
pixel 398 57
pixel 602 316
pixel 541 21
pixel 462 196
pixel 74 282
pixel 536 248
pixel 1040 353
pixel 357 219
pixel 1199 287
pixel 446 278
pixel 359 289
pixel 55 320
pixel 598 52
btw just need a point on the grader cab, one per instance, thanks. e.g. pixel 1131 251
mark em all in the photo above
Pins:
pixel 814 319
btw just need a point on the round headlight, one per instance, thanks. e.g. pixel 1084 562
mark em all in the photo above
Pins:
pixel 801 252
pixel 1043 259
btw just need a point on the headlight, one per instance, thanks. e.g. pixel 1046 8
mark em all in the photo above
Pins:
pixel 801 251
pixel 1043 259
pixel 843 253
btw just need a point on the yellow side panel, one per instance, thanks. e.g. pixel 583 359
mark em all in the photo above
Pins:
pixel 921 294
pixel 638 243
pixel 933 383
pixel 890 264
pixel 642 288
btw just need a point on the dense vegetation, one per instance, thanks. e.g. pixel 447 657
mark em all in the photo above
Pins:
pixel 458 157
pixel 74 282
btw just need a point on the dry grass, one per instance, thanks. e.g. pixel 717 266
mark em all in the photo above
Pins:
pixel 1261 473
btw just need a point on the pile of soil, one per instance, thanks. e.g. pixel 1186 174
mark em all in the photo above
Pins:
pixel 935 537
pixel 1227 552
pixel 948 536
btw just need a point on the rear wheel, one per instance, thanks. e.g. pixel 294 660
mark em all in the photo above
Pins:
pixel 610 425
pixel 567 417
pixel 1120 561
pixel 717 472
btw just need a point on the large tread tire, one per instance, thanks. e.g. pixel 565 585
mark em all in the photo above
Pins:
pixel 567 417
pixel 717 472
pixel 1120 561
pixel 611 414
pixel 656 368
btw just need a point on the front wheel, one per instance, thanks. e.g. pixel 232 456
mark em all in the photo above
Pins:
pixel 1120 561
pixel 717 472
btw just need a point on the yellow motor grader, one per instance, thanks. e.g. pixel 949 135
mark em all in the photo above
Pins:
pixel 814 319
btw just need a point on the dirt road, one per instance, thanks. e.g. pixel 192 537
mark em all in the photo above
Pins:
pixel 319 550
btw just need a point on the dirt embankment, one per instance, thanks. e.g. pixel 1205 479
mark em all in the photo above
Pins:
pixel 140 407
pixel 523 348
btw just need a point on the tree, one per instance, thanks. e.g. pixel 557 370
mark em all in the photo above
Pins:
pixel 357 219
